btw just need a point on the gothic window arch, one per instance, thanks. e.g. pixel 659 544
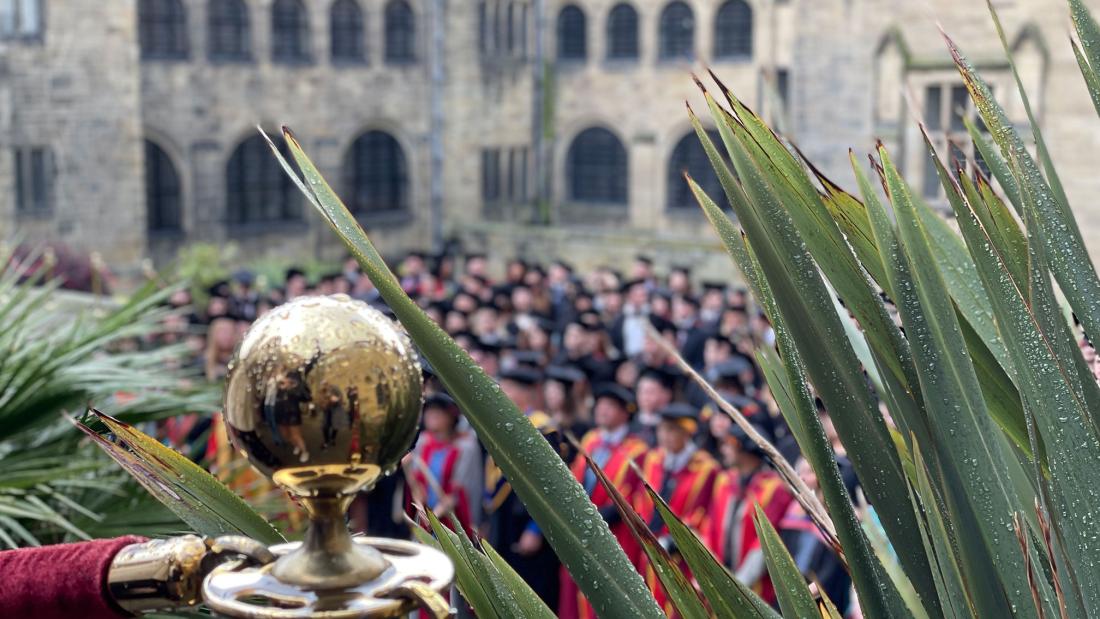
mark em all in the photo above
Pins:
pixel 400 33
pixel 622 32
pixel 289 31
pixel 162 29
pixel 677 31
pixel 733 30
pixel 596 168
pixel 346 36
pixel 376 174
pixel 572 36
pixel 688 156
pixel 163 191
pixel 228 30
pixel 257 188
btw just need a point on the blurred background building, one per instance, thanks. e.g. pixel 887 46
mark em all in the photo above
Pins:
pixel 129 126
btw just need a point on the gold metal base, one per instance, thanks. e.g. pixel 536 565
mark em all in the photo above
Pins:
pixel 415 576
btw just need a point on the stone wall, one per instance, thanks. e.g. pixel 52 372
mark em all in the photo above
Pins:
pixel 78 94
pixel 854 66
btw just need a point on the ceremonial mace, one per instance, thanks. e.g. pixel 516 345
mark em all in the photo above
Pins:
pixel 324 397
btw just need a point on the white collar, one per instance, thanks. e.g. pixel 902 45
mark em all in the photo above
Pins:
pixel 676 462
pixel 616 436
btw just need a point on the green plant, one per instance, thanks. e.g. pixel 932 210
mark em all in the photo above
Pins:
pixel 61 351
pixel 983 479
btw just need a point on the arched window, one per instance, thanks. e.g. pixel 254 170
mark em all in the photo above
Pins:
pixel 228 33
pixel 289 31
pixel 162 29
pixel 572 39
pixel 689 156
pixel 376 174
pixel 622 32
pixel 733 30
pixel 163 201
pixel 346 21
pixel 597 168
pixel 677 31
pixel 400 33
pixel 257 188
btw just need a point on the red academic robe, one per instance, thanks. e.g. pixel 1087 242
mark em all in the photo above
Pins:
pixel 617 468
pixel 441 457
pixel 764 488
pixel 689 494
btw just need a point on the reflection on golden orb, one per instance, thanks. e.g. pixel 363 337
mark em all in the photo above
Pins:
pixel 324 397
pixel 324 394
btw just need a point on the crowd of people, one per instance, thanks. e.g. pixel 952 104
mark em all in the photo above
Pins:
pixel 578 355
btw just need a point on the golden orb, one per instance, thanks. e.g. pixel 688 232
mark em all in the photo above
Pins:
pixel 324 397
pixel 324 394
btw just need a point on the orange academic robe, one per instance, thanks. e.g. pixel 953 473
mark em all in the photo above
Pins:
pixel 615 461
pixel 732 509
pixel 688 493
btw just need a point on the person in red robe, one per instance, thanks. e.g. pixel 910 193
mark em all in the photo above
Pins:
pixel 441 468
pixel 613 447
pixel 684 476
pixel 731 531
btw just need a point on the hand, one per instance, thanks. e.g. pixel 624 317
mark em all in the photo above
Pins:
pixel 444 506
pixel 529 543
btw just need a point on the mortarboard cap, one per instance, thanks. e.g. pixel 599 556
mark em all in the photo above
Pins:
pixel 616 392
pixel 522 375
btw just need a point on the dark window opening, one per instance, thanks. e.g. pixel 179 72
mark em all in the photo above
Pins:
pixel 622 33
pixel 376 174
pixel 733 30
pixel 163 201
pixel 597 168
pixel 677 32
pixel 400 33
pixel 228 33
pixel 257 188
pixel 572 39
pixel 289 31
pixel 162 29
pixel 346 22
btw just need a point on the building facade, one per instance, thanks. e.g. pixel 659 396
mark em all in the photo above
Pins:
pixel 130 127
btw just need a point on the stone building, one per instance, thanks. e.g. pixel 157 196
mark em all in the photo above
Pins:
pixel 129 126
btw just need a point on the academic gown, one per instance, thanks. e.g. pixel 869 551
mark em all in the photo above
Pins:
pixel 688 492
pixel 731 532
pixel 614 459
pixel 508 519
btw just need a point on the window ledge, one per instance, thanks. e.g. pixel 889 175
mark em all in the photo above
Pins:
pixel 35 214
pixel 385 219
pixel 262 228
pixel 230 60
pixel 24 39
pixel 166 234
pixel 349 63
pixel 626 62
pixel 292 62
pixel 738 59
pixel 166 59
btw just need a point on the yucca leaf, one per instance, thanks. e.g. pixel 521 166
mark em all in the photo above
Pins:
pixel 961 423
pixel 791 187
pixel 851 215
pixel 790 587
pixel 1062 246
pixel 471 582
pixel 728 597
pixel 995 162
pixel 1092 79
pixel 182 486
pixel 530 603
pixel 1053 384
pixel 685 599
pixel 805 306
pixel 940 545
pixel 535 472
pixel 804 422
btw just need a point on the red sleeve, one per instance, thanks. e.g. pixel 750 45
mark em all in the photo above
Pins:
pixel 60 582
